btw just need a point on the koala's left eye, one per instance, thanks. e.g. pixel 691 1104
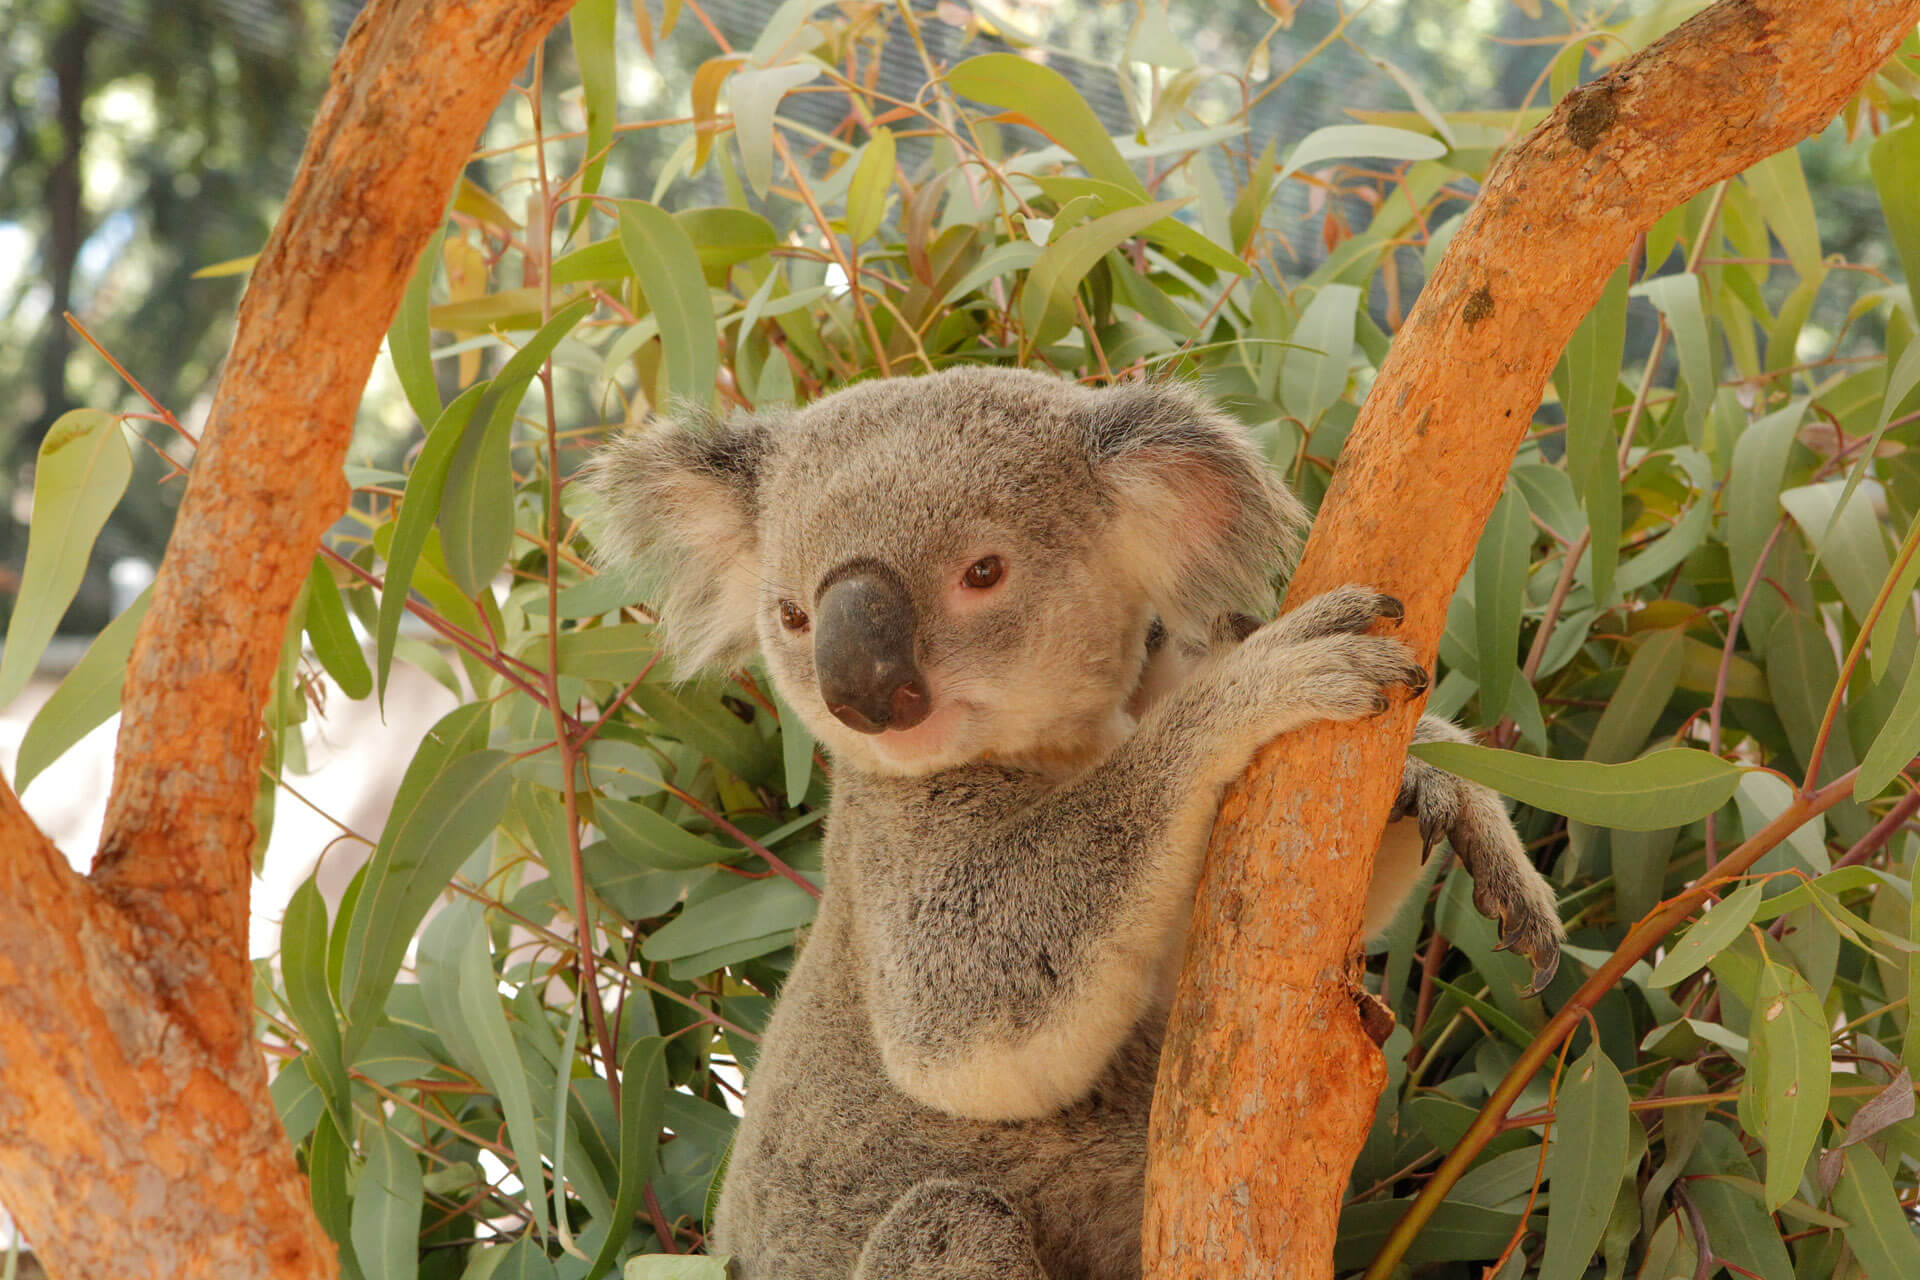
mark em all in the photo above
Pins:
pixel 792 616
pixel 983 573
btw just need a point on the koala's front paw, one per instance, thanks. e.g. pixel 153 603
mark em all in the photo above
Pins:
pixel 1507 888
pixel 1339 676
pixel 1342 611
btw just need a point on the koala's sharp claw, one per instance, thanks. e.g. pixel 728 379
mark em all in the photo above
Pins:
pixel 1543 971
pixel 1416 680
pixel 1429 837
pixel 1390 607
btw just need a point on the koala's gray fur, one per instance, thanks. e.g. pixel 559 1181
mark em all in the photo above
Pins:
pixel 956 1081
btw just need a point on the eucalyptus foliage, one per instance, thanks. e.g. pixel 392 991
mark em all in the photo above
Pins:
pixel 514 1047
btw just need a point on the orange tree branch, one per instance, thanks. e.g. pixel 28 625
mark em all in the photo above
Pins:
pixel 137 1137
pixel 1268 1082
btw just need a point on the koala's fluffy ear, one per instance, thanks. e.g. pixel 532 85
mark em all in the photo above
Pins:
pixel 1200 517
pixel 678 511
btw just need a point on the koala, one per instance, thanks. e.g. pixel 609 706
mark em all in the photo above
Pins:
pixel 1018 614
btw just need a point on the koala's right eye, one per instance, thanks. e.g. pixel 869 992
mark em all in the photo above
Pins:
pixel 792 616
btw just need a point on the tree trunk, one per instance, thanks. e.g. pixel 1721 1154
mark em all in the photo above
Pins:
pixel 1268 1083
pixel 136 1134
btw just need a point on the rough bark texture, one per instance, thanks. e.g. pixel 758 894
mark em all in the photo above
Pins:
pixel 1268 1083
pixel 136 1134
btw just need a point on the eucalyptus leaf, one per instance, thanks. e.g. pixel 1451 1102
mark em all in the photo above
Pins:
pixel 82 470
pixel 1664 789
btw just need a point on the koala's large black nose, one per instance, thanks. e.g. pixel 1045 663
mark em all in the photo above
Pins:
pixel 863 650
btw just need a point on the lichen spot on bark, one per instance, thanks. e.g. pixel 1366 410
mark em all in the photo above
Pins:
pixel 1479 307
pixel 1590 113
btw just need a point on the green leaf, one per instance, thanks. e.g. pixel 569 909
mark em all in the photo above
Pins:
pixel 303 968
pixel 332 634
pixel 525 1259
pixel 1790 1076
pixel 1897 743
pixel 614 655
pixel 1500 594
pixel 665 263
pixel 649 839
pixel 1678 299
pixel 410 340
pixel 1780 188
pixel 591 25
pixel 1894 160
pixel 1753 505
pixel 1049 101
pixel 1901 381
pixel 1664 789
pixel 757 909
pixel 1586 1160
pixel 1846 538
pixel 88 695
pixel 1878 1228
pixel 1459 1233
pixel 83 469
pixel 1720 1176
pixel 755 93
pixel 1647 686
pixel 1709 936
pixel 1763 797
pixel 430 832
pixel 327 1183
pixel 589 598
pixel 1313 372
pixel 796 750
pixel 1588 373
pixel 643 1087
pixel 1801 671
pixel 499 1061
pixel 1345 141
pixel 1641 860
pixel 476 509
pixel 667 1266
pixel 1171 234
pixel 418 511
pixel 1670 549
pixel 777 35
pixel 1885 636
pixel 694 714
pixel 1046 303
pixel 723 236
pixel 386 1207
pixel 867 193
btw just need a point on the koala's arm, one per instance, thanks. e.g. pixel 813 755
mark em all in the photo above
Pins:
pixel 1005 982
pixel 1506 886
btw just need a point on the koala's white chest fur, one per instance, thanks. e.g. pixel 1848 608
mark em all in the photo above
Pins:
pixel 831 1141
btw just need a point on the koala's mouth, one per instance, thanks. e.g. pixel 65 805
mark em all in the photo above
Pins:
pixel 933 738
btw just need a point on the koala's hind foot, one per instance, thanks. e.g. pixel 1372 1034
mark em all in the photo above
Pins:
pixel 1506 886
pixel 944 1230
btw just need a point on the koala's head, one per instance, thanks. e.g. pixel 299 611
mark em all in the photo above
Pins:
pixel 950 567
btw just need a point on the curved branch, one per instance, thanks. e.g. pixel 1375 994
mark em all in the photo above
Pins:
pixel 136 1133
pixel 1268 1083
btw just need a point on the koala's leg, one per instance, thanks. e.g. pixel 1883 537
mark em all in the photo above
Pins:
pixel 942 1230
pixel 1506 886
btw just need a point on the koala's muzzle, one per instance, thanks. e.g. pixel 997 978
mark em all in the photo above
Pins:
pixel 863 650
